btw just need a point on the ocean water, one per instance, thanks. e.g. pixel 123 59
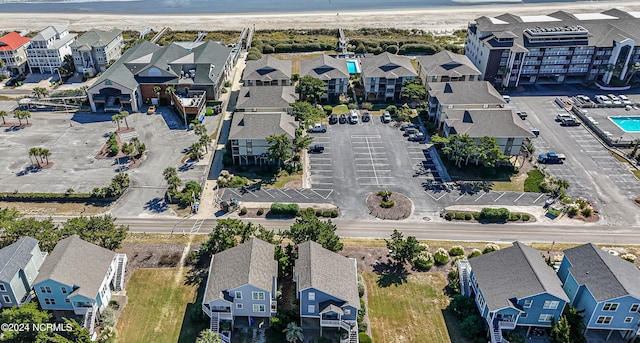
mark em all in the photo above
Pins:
pixel 233 6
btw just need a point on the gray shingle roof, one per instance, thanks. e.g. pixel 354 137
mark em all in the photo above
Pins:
pixel 15 257
pixel 601 30
pixel 249 263
pixel 49 32
pixel 120 73
pixel 517 272
pixel 606 276
pixel 388 66
pixel 77 262
pixel 267 68
pixel 326 271
pixel 465 93
pixel 96 38
pixel 265 97
pixel 325 67
pixel 492 122
pixel 448 64
pixel 257 125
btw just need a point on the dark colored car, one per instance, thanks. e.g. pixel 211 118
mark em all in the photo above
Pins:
pixel 343 119
pixel 316 148
pixel 410 130
pixel 408 126
pixel 366 117
pixel 10 82
pixel 333 119
pixel 417 137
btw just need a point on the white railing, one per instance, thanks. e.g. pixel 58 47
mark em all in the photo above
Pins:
pixel 507 324
pixel 90 319
pixel 335 323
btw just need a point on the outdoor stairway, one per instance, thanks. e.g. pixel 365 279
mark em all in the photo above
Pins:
pixel 215 322
pixel 119 277
pixel 90 319
pixel 353 335
pixel 464 270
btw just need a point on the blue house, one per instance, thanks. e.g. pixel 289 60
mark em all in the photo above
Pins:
pixel 606 287
pixel 327 286
pixel 241 287
pixel 19 266
pixel 78 277
pixel 513 287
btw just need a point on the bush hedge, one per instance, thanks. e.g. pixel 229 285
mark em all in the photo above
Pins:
pixel 490 248
pixel 423 262
pixel 474 253
pixel 279 208
pixel 387 204
pixel 456 250
pixel 364 338
pixel 495 214
pixel 260 211
pixel 441 256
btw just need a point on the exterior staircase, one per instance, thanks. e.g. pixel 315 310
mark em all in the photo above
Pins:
pixel 120 269
pixel 464 272
pixel 90 319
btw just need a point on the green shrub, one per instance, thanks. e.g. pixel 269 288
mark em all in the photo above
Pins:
pixel 392 109
pixel 525 217
pixel 468 216
pixel 318 213
pixel 279 208
pixel 476 215
pixel 209 112
pixel 334 213
pixel 490 248
pixel 367 106
pixel 474 253
pixel 572 210
pixel 364 338
pixel 223 90
pixel 243 211
pixel 361 287
pixel 514 217
pixel 328 109
pixel 326 214
pixel 384 193
pixel 456 250
pixel 587 212
pixel 533 181
pixel 629 257
pixel 459 216
pixel 387 204
pixel 260 211
pixel 227 83
pixel 423 262
pixel 449 215
pixel 441 256
pixel 494 214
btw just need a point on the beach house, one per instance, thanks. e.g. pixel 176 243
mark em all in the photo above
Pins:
pixel 95 49
pixel 267 71
pixel 19 266
pixel 48 49
pixel 13 52
pixel 446 66
pixel 331 70
pixel 383 76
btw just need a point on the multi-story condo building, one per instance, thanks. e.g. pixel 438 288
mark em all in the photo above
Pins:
pixel 383 76
pixel 331 70
pixel 48 49
pixel 560 47
pixel 13 53
pixel 95 49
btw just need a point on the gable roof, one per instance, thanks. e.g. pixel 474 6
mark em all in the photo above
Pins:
pixel 258 125
pixel 606 276
pixel 447 63
pixel 77 262
pixel 325 67
pixel 267 68
pixel 12 41
pixel 264 97
pixel 249 263
pixel 465 93
pixel 518 271
pixel 492 122
pixel 49 32
pixel 388 66
pixel 15 257
pixel 95 38
pixel 328 272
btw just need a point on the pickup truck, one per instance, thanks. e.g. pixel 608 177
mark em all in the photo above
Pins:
pixel 551 157
pixel 316 148
pixel 318 128
pixel 570 122
pixel 522 114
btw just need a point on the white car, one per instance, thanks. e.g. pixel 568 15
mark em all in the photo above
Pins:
pixel 612 97
pixel 603 99
pixel 625 100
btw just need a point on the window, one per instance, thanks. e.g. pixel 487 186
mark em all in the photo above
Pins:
pixel 311 296
pixel 545 318
pixel 347 311
pixel 2 289
pixel 311 308
pixel 634 307
pixel 551 305
pixel 524 315
pixel 63 290
pixel 45 289
pixel 528 303
pixel 626 320
pixel 258 308
pixel 239 306
pixel 238 295
pixel 610 307
pixel 49 301
pixel 257 295
pixel 7 299
pixel 604 320
pixel 67 301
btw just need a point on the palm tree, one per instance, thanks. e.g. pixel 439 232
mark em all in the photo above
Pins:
pixel 2 115
pixel 169 172
pixel 18 115
pixel 634 69
pixel 26 115
pixel 205 140
pixel 200 129
pixel 116 119
pixel 559 186
pixel 170 90
pixel 195 150
pixel 124 115
pixel 157 89
pixel 35 152
pixel 45 153
pixel 293 333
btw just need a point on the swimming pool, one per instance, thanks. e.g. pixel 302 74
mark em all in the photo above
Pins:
pixel 627 124
pixel 352 67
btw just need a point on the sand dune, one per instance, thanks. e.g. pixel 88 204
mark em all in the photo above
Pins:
pixel 439 20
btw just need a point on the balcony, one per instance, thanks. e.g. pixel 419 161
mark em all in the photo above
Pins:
pixel 507 324
pixel 335 324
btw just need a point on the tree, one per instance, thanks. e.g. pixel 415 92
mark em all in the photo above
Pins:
pixel 138 146
pixel 116 118
pixel 301 141
pixel 170 90
pixel 309 228
pixel 45 153
pixel 170 175
pixel 34 152
pixel 266 235
pixel 306 113
pixel 222 237
pixel 124 115
pixel 413 89
pixel 491 153
pixel 100 230
pixel 559 185
pixel 40 92
pixel 3 114
pixel 635 68
pixel 208 336
pixel 403 250
pixel 69 64
pixel 312 88
pixel 204 141
pixel 279 148
pixel 575 319
pixel 77 334
pixel 293 333
pixel 561 332
pixel 28 314
pixel 157 89
pixel 22 114
pixel 195 150
pixel 45 231
pixel 26 115
pixel 169 172
pixel 200 130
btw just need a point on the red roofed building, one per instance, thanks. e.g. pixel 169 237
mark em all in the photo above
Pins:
pixel 13 53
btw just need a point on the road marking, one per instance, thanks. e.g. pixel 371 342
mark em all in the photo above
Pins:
pixel 284 193
pixel 234 192
pixel 434 198
pixel 367 164
pixel 325 198
pixel 481 195
pixel 366 136
pixel 321 177
pixel 538 198
pixel 306 197
pixel 372 153
pixel 264 190
pixel 458 198
pixel 518 198
pixel 321 158
pixel 498 198
pixel 320 164
pixel 373 170
pixel 196 226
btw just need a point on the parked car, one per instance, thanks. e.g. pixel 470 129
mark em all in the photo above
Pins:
pixel 417 137
pixel 343 119
pixel 408 126
pixel 603 99
pixel 353 117
pixel 366 117
pixel 318 128
pixel 569 122
pixel 10 82
pixel 386 117
pixel 152 109
pixel 522 114
pixel 316 148
pixel 625 100
pixel 410 130
pixel 506 98
pixel 613 97
pixel 563 116
pixel 333 119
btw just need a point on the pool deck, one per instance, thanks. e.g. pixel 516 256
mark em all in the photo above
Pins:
pixel 602 117
pixel 356 64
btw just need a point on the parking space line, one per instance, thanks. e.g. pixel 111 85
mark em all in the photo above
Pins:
pixel 481 195
pixel 538 198
pixel 367 164
pixel 321 158
pixel 458 198
pixel 366 136
pixel 321 177
pixel 284 193
pixel 253 193
pixel 518 198
pixel 373 170
pixel 434 198
pixel 234 192
pixel 501 195
pixel 306 197
pixel 321 164
pixel 264 190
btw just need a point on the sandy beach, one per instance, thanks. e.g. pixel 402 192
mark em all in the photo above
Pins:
pixel 436 20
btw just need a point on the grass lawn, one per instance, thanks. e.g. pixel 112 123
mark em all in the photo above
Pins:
pixel 154 238
pixel 340 109
pixel 636 173
pixel 410 312
pixel 515 185
pixel 533 181
pixel 156 308
pixel 283 180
